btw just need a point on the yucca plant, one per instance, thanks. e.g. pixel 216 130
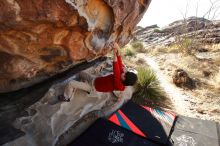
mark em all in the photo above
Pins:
pixel 148 89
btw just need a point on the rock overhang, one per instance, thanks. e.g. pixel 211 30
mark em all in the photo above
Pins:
pixel 39 39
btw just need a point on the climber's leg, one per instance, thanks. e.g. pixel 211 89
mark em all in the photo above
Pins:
pixel 71 87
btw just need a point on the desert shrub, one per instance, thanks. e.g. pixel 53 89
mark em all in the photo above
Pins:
pixel 140 61
pixel 217 80
pixel 217 61
pixel 128 52
pixel 138 46
pixel 157 30
pixel 187 45
pixel 148 87
pixel 173 48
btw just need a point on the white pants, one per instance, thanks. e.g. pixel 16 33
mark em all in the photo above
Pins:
pixel 85 84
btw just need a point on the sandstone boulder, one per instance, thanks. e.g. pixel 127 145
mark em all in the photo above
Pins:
pixel 41 38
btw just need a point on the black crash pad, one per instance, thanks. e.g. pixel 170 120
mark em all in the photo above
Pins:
pixel 136 125
pixel 147 122
pixel 105 133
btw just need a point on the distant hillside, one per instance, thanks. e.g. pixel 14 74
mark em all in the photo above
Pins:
pixel 203 30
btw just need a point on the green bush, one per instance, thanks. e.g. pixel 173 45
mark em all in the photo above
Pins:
pixel 138 46
pixel 148 87
pixel 129 52
pixel 157 30
pixel 187 45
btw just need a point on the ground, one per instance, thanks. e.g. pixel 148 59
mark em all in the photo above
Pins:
pixel 202 102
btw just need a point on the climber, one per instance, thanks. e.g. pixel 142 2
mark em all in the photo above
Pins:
pixel 116 81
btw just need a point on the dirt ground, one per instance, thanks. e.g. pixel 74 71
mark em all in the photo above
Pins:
pixel 203 102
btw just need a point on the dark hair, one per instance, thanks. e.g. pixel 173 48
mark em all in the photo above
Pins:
pixel 130 79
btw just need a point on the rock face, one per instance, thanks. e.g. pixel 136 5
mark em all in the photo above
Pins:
pixel 199 29
pixel 41 38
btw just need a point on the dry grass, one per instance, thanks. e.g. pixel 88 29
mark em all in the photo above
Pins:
pixel 157 51
pixel 189 64
pixel 212 47
pixel 138 47
pixel 217 61
pixel 128 51
pixel 134 63
pixel 173 49
pixel 216 81
pixel 162 50
pixel 185 46
pixel 130 63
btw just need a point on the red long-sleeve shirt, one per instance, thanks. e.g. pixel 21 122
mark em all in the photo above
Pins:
pixel 113 81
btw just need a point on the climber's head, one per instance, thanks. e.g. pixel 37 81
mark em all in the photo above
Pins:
pixel 128 78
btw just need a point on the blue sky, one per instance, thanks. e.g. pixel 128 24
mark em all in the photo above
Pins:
pixel 163 12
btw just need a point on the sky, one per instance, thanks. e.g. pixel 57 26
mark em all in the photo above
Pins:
pixel 163 12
